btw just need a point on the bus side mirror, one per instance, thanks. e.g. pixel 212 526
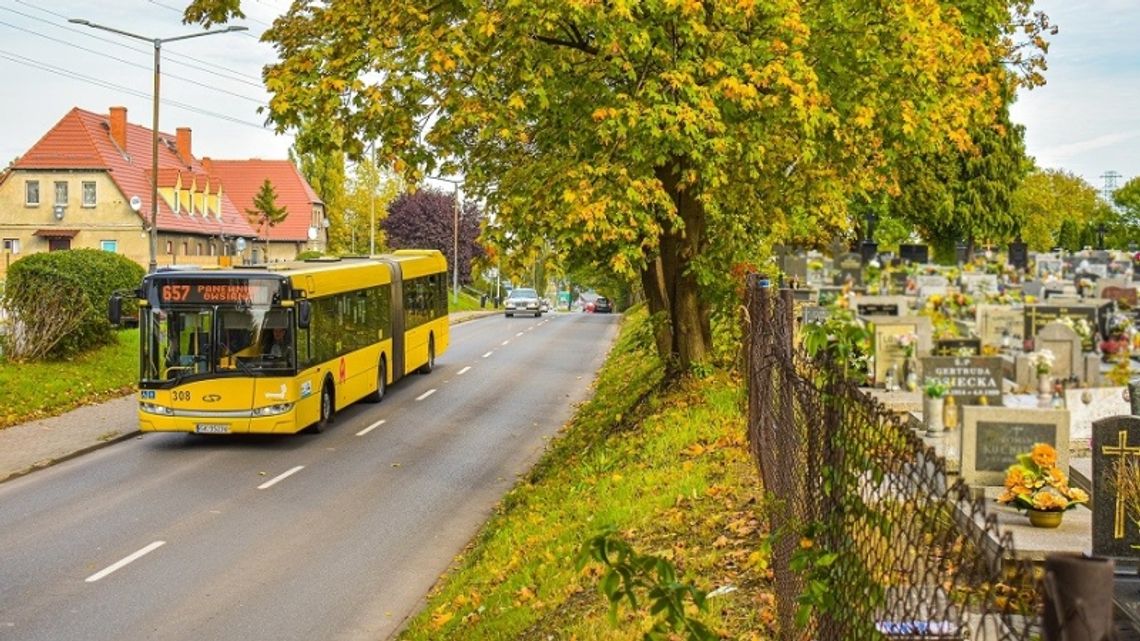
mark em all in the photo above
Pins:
pixel 304 314
pixel 115 310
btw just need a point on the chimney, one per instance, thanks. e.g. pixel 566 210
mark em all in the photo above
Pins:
pixel 119 126
pixel 184 145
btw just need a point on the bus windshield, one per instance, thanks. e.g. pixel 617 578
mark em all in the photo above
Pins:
pixel 198 341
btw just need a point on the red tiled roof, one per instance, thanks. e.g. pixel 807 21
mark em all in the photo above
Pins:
pixel 82 140
pixel 242 180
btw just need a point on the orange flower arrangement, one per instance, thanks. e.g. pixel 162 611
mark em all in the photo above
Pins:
pixel 1036 483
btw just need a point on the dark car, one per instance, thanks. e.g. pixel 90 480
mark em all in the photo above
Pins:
pixel 602 305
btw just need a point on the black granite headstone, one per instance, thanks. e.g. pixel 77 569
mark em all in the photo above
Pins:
pixel 1115 533
pixel 1019 255
pixel 915 253
pixel 850 267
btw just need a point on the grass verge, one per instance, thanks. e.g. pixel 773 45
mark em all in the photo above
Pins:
pixel 30 391
pixel 668 467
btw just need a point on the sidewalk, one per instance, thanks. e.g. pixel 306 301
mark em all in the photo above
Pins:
pixel 30 446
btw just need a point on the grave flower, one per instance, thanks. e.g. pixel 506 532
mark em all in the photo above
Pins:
pixel 908 342
pixel 1042 361
pixel 1036 483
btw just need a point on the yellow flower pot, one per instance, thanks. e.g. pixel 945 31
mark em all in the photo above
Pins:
pixel 1041 518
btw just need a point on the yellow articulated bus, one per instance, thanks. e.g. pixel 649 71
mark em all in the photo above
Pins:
pixel 283 347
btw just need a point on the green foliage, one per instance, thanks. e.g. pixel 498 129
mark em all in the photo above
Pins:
pixel 265 209
pixel 1054 208
pixel 845 337
pixel 80 283
pixel 629 573
pixel 325 172
pixel 679 134
pixel 309 253
pixel 935 389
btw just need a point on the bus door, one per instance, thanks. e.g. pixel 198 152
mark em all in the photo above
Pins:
pixel 397 310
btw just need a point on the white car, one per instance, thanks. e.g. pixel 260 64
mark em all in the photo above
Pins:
pixel 522 300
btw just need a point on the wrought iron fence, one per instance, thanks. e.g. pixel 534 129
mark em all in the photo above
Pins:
pixel 872 540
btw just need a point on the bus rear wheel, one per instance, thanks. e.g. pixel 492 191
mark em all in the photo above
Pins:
pixel 327 409
pixel 427 367
pixel 381 382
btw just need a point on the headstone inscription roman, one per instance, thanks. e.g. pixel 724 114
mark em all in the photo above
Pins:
pixel 850 266
pixel 992 437
pixel 1000 325
pixel 1115 442
pixel 931 284
pixel 979 283
pixel 969 379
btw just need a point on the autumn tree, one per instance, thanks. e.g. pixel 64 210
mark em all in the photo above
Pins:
pixel 425 219
pixel 371 190
pixel 672 138
pixel 266 212
pixel 1052 206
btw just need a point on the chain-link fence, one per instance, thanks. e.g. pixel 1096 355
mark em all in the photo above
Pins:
pixel 871 540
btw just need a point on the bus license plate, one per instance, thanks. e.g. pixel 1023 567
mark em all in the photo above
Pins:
pixel 212 428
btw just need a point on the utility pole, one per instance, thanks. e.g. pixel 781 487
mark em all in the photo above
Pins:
pixel 1110 177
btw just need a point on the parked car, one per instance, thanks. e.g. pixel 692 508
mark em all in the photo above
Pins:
pixel 602 305
pixel 544 306
pixel 522 300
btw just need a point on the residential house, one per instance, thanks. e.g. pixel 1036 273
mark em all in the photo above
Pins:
pixel 87 183
pixel 303 229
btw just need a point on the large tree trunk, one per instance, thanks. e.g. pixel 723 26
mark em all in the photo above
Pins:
pixel 653 282
pixel 689 332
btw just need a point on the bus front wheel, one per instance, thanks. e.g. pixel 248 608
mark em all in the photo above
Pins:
pixel 327 409
pixel 381 382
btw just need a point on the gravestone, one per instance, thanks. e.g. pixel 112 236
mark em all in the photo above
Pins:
pixel 979 283
pixel 1114 440
pixel 806 295
pixel 1122 295
pixel 994 322
pixel 796 268
pixel 931 284
pixel 886 332
pixel 1019 255
pixel 1068 359
pixel 992 437
pixel 1086 406
pixel 816 271
pixel 1034 288
pixel 850 266
pixel 915 253
pixel 1037 316
pixel 816 314
pixel 1048 265
pixel 898 283
pixel 881 305
pixel 957 347
pixel 969 379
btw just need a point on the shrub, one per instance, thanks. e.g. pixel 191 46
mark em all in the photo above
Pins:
pixel 309 253
pixel 58 301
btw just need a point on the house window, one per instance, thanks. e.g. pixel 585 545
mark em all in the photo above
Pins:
pixel 12 245
pixel 89 193
pixel 185 248
pixel 32 193
pixel 169 247
pixel 109 245
pixel 61 192
pixel 199 249
pixel 211 248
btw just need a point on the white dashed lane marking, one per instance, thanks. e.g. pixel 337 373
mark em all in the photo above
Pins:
pixel 425 394
pixel 463 371
pixel 371 427
pixel 125 562
pixel 280 477
pixel 487 354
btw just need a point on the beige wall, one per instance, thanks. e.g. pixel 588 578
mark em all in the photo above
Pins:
pixel 111 219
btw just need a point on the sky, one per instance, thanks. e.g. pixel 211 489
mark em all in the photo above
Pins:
pixel 1085 120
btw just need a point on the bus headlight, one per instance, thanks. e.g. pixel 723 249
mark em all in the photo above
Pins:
pixel 272 410
pixel 152 408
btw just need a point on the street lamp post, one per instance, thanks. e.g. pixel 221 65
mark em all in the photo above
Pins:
pixel 455 238
pixel 157 42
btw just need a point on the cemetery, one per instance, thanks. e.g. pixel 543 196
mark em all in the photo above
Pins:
pixel 1019 372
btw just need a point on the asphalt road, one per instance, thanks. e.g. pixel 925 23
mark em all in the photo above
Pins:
pixel 332 536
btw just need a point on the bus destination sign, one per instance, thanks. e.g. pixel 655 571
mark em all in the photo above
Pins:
pixel 218 292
